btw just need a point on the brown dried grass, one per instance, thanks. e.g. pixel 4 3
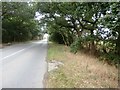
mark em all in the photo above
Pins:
pixel 80 70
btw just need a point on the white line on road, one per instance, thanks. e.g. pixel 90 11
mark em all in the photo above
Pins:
pixel 13 54
pixel 19 51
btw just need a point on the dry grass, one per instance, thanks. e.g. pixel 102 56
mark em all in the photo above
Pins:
pixel 79 70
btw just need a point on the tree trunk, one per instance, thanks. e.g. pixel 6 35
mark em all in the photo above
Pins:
pixel 63 39
pixel 92 47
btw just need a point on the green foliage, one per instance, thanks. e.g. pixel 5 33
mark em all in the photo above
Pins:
pixel 112 21
pixel 56 37
pixel 84 24
pixel 76 45
pixel 18 22
pixel 110 58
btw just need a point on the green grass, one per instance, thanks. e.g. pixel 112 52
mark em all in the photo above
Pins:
pixel 79 70
pixel 56 52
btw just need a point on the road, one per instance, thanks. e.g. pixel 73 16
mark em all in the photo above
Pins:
pixel 24 65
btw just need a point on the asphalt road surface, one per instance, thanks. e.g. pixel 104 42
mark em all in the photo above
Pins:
pixel 24 65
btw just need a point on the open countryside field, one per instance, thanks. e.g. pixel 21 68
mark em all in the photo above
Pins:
pixel 79 70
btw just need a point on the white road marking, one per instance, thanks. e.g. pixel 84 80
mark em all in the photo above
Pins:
pixel 13 54
pixel 19 51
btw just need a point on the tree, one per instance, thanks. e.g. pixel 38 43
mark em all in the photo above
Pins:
pixel 18 22
pixel 88 25
pixel 112 21
pixel 77 17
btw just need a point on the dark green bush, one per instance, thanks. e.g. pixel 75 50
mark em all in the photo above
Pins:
pixel 56 37
pixel 111 58
pixel 76 45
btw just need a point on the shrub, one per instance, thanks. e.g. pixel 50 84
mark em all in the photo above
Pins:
pixel 56 37
pixel 111 58
pixel 76 45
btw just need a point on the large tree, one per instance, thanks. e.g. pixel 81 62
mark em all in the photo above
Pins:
pixel 112 21
pixel 77 17
pixel 93 26
pixel 18 22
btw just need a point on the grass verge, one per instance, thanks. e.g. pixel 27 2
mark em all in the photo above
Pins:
pixel 79 70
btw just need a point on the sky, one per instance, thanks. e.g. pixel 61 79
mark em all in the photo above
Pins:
pixel 38 16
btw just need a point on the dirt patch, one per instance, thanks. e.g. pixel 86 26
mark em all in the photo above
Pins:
pixel 54 65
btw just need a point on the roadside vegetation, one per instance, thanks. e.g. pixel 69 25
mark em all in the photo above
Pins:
pixel 90 26
pixel 79 70
pixel 89 34
pixel 19 23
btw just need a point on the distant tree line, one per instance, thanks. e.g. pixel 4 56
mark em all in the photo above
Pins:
pixel 90 26
pixel 18 22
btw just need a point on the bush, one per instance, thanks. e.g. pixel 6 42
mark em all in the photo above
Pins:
pixel 76 45
pixel 56 37
pixel 111 58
